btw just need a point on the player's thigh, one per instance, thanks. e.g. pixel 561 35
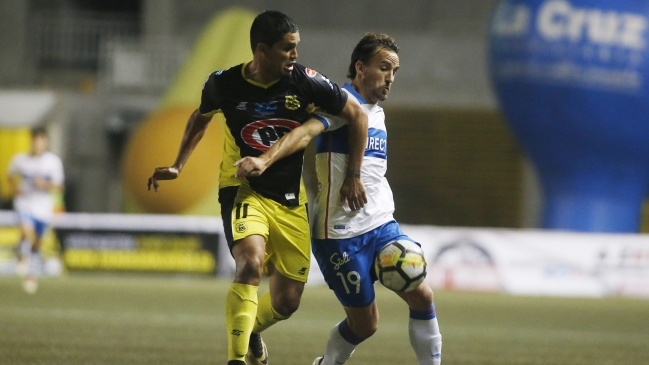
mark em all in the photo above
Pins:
pixel 386 233
pixel 347 266
pixel 249 215
pixel 289 242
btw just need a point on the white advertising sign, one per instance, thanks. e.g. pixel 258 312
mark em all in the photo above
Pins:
pixel 535 262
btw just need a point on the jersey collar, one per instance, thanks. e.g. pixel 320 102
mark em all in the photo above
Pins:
pixel 256 83
pixel 353 91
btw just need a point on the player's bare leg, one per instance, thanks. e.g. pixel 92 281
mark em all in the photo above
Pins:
pixel 277 304
pixel 423 328
pixel 241 301
pixel 24 247
pixel 360 324
pixel 34 266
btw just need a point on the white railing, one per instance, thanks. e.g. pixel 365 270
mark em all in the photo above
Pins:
pixel 109 48
pixel 146 64
pixel 73 40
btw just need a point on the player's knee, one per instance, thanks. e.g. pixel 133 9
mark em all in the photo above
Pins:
pixel 364 326
pixel 420 298
pixel 286 304
pixel 248 270
pixel 366 329
pixel 369 330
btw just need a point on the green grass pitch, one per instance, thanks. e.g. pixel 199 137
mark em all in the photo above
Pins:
pixel 138 319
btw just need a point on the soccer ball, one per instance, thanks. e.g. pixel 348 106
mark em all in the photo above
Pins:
pixel 401 266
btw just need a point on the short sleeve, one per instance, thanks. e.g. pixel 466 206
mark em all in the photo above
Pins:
pixel 325 93
pixel 210 98
pixel 57 171
pixel 331 122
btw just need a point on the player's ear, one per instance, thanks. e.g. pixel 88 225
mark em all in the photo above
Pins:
pixel 360 67
pixel 262 48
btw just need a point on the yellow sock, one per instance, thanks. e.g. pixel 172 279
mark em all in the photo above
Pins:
pixel 266 314
pixel 240 309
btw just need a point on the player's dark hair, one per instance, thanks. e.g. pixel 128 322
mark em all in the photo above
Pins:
pixel 38 131
pixel 367 47
pixel 270 27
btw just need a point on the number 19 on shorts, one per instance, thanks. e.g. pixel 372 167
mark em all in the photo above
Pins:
pixel 353 278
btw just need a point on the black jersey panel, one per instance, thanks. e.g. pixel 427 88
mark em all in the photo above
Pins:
pixel 259 116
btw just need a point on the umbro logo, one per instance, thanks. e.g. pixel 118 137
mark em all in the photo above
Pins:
pixel 236 332
pixel 302 271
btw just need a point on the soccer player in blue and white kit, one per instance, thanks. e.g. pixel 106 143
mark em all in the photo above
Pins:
pixel 33 177
pixel 346 241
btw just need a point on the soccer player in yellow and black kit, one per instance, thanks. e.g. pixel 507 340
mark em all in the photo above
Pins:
pixel 265 217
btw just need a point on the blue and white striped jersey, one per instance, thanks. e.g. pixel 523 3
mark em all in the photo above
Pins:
pixel 331 219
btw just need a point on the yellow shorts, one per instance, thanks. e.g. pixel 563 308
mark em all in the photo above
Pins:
pixel 285 229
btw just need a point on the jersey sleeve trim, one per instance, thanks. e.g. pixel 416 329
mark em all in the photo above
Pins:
pixel 331 122
pixel 212 113
pixel 323 120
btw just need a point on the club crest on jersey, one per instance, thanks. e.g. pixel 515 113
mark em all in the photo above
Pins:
pixel 262 134
pixel 241 227
pixel 291 102
pixel 310 72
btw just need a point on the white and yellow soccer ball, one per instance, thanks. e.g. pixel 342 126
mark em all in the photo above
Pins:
pixel 401 265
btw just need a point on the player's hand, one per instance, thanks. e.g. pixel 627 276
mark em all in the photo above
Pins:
pixel 41 183
pixel 162 173
pixel 250 166
pixel 353 192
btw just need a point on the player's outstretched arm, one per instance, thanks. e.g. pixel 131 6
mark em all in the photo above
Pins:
pixel 352 189
pixel 14 185
pixel 194 131
pixel 294 141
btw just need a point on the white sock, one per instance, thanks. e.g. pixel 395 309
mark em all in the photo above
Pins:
pixel 35 264
pixel 25 249
pixel 425 338
pixel 341 345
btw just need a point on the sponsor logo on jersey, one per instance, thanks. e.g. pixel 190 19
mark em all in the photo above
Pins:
pixel 266 108
pixel 376 144
pixel 291 102
pixel 310 72
pixel 339 260
pixel 262 134
pixel 241 227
